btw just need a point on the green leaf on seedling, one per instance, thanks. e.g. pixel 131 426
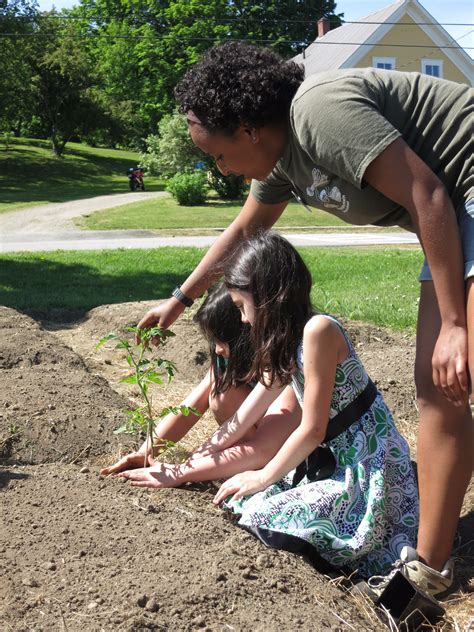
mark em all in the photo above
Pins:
pixel 105 339
pixel 176 410
pixel 123 344
pixel 125 429
pixel 130 379
pixel 154 377
pixel 169 410
pixel 160 332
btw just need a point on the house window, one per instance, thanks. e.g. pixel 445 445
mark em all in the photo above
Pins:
pixel 387 63
pixel 432 67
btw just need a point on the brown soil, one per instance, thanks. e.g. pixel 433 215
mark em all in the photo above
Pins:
pixel 79 553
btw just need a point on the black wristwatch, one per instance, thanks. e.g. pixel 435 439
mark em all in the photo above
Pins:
pixel 182 298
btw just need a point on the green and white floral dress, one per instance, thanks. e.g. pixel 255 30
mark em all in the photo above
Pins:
pixel 367 510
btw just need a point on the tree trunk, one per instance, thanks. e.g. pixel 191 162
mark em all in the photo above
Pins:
pixel 57 143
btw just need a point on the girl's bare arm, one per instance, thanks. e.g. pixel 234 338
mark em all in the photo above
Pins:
pixel 323 347
pixel 251 411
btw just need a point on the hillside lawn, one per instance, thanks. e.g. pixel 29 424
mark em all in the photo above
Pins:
pixel 30 174
pixel 373 284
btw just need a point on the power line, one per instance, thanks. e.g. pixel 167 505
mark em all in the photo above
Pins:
pixel 101 18
pixel 465 35
pixel 154 38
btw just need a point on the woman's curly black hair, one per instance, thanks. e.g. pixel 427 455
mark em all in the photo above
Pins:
pixel 237 84
pixel 219 320
pixel 271 269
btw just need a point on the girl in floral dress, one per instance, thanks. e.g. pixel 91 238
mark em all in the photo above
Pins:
pixel 342 484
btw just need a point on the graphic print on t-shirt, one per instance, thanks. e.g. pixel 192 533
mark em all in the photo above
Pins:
pixel 328 195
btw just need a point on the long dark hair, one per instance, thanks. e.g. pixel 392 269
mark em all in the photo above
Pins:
pixel 272 271
pixel 219 321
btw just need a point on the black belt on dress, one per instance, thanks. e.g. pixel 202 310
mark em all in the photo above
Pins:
pixel 321 463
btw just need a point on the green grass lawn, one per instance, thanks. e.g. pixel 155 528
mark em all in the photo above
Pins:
pixel 30 174
pixel 165 213
pixel 376 285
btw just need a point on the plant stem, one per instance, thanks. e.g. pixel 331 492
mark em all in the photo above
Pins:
pixel 150 426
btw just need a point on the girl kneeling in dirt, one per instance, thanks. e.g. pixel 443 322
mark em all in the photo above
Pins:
pixel 341 485
pixel 223 390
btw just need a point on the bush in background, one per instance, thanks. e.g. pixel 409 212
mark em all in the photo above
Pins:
pixel 188 189
pixel 229 187
pixel 171 151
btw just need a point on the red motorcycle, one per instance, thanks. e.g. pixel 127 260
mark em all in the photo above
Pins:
pixel 135 179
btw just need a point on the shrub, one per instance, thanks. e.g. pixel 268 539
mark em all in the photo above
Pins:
pixel 171 151
pixel 188 189
pixel 229 187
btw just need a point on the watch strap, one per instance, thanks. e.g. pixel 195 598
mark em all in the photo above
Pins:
pixel 182 298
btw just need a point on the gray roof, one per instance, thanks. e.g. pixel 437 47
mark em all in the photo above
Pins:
pixel 322 55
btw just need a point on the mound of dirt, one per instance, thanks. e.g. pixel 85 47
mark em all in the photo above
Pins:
pixel 103 556
pixel 52 407
pixel 80 553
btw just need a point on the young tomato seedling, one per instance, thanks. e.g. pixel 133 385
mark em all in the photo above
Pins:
pixel 146 370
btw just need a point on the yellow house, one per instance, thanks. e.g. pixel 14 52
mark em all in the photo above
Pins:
pixel 401 36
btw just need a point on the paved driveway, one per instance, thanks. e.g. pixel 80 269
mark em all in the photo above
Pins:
pixel 50 227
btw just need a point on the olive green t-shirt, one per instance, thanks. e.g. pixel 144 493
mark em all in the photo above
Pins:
pixel 340 121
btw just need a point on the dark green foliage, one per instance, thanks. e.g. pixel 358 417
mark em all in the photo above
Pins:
pixel 105 70
pixel 229 187
pixel 188 189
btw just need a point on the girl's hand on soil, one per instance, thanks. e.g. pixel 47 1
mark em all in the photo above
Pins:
pixel 128 462
pixel 159 476
pixel 449 364
pixel 241 485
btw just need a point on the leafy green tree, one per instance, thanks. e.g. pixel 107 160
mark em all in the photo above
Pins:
pixel 285 25
pixel 171 151
pixel 142 49
pixel 62 81
pixel 17 20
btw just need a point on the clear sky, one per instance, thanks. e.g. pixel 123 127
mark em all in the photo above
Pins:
pixel 444 11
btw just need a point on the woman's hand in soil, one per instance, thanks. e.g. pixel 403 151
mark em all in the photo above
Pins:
pixel 159 476
pixel 128 462
pixel 241 485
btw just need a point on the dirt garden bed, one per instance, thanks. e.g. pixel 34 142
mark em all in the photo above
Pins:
pixel 80 553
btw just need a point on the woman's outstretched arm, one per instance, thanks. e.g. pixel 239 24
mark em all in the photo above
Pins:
pixel 254 216
pixel 323 347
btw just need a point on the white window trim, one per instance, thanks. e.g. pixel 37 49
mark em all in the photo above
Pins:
pixel 432 62
pixel 384 60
